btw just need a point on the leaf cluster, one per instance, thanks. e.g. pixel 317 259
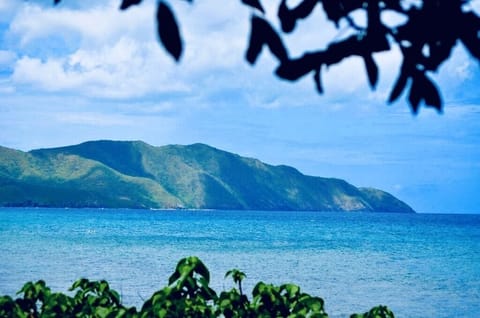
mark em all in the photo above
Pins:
pixel 92 299
pixel 426 38
pixel 431 30
pixel 187 294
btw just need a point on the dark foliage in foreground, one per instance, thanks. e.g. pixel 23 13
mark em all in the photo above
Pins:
pixel 187 295
pixel 432 28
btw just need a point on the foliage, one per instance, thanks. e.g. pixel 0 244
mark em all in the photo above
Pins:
pixel 376 312
pixel 187 295
pixel 431 30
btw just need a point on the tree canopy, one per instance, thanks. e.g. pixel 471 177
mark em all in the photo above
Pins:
pixel 431 29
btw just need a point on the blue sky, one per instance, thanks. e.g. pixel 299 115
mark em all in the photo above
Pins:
pixel 86 71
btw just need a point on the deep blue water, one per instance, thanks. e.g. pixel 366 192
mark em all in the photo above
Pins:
pixel 421 265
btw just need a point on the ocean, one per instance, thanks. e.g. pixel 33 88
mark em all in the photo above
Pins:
pixel 419 265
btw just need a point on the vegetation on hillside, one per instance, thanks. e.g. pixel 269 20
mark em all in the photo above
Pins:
pixel 122 174
pixel 187 294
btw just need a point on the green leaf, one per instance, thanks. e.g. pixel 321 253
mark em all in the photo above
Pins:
pixel 80 283
pixel 114 296
pixel 102 312
pixel 201 269
pixel 315 304
pixel 103 286
pixel 236 275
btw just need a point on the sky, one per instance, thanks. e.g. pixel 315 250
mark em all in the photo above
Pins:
pixel 84 70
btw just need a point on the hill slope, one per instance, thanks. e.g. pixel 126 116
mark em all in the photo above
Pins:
pixel 135 174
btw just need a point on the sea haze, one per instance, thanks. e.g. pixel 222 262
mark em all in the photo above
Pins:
pixel 420 265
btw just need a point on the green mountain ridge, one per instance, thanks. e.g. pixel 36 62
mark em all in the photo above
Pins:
pixel 133 174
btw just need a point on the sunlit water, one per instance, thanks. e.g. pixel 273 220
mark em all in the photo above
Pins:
pixel 419 265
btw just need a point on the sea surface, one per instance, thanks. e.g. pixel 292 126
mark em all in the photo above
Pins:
pixel 420 265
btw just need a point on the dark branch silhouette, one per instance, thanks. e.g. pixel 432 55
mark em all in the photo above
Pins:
pixel 432 29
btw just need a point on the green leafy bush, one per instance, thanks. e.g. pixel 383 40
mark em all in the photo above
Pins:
pixel 187 295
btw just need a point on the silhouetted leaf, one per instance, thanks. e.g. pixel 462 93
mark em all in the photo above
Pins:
pixel 473 45
pixel 398 87
pixel 424 89
pixel 254 4
pixel 168 30
pixel 348 47
pixel 318 80
pixel 288 17
pixel 372 70
pixel 294 69
pixel 335 9
pixel 55 2
pixel 431 95
pixel 470 34
pixel 439 53
pixel 127 3
pixel 415 95
pixel 378 42
pixel 255 44
pixel 262 33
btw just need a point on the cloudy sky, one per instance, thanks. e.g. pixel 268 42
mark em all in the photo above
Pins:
pixel 83 70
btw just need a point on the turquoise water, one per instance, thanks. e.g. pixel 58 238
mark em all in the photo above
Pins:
pixel 419 265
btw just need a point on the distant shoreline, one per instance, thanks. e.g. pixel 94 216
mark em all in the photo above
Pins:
pixel 200 210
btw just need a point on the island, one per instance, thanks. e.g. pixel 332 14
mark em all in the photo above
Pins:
pixel 134 174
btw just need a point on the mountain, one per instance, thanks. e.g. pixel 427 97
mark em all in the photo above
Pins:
pixel 134 174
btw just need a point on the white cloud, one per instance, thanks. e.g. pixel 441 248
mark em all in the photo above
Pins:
pixel 7 5
pixel 8 9
pixel 99 24
pixel 6 58
pixel 126 69
pixel 93 119
pixel 116 54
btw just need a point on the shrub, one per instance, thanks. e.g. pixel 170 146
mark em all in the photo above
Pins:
pixel 187 295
